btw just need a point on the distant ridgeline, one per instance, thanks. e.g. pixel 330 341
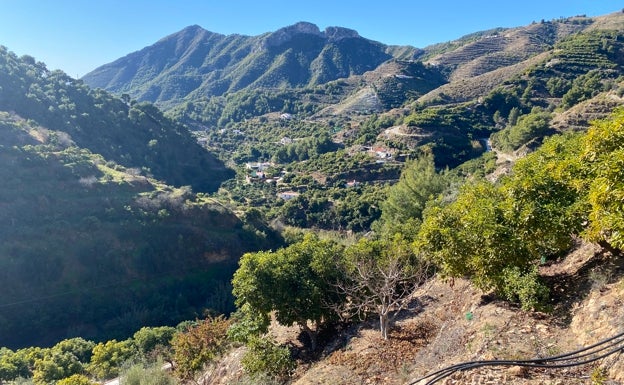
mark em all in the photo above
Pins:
pixel 104 228
pixel 195 62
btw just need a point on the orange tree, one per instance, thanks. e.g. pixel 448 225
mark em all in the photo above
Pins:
pixel 603 156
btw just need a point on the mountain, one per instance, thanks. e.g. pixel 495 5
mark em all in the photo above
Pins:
pixel 447 99
pixel 133 135
pixel 195 62
pixel 101 230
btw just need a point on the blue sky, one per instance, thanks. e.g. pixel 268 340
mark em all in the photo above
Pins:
pixel 77 36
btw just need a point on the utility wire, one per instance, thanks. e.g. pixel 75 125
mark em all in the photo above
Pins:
pixel 579 357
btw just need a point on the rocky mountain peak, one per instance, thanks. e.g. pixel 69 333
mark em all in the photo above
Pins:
pixel 339 33
pixel 283 35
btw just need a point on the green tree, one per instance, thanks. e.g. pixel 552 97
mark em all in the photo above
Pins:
pixel 527 127
pixel 544 196
pixel 54 366
pixel 247 324
pixel 294 282
pixel 406 200
pixel 512 119
pixel 475 237
pixel 265 357
pixel 78 346
pixel 76 379
pixel 108 357
pixel 603 154
pixel 151 339
pixel 13 365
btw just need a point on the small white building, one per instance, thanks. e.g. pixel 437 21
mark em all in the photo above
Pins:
pixel 288 195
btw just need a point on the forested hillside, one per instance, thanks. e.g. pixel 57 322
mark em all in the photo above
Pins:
pixel 133 135
pixel 92 242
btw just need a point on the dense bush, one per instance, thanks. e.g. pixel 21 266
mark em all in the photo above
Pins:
pixel 528 127
pixel 265 357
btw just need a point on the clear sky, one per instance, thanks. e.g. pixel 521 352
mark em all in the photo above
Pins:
pixel 77 36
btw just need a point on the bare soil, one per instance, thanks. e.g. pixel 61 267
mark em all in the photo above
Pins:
pixel 456 323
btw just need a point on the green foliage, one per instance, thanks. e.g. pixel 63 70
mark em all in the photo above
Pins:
pixel 496 234
pixel 109 356
pixel 471 236
pixel 338 208
pixel 502 100
pixel 149 339
pixel 95 120
pixel 294 282
pixel 475 168
pixel 265 357
pixel 65 359
pixel 54 366
pixel 545 196
pixel 304 149
pixel 139 374
pixel 598 376
pixel 76 379
pixel 247 324
pixel 557 87
pixel 199 345
pixel 14 365
pixel 527 127
pixel 406 200
pixel 604 156
pixel 525 288
pixel 583 87
pixel 121 249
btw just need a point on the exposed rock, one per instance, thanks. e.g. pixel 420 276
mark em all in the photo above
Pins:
pixel 284 35
pixel 339 33
pixel 518 371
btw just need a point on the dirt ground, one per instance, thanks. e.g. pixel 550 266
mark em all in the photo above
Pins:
pixel 456 323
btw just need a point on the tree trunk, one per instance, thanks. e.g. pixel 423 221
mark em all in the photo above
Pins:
pixel 607 246
pixel 383 325
pixel 311 335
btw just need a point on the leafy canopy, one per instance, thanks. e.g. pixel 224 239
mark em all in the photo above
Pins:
pixel 294 282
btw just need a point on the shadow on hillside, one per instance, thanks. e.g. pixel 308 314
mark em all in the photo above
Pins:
pixel 602 268
pixel 338 335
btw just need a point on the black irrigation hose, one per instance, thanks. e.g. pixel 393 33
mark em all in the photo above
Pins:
pixel 615 344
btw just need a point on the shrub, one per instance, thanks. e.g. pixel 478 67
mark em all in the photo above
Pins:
pixel 524 287
pixel 265 357
pixel 150 375
pixel 199 345
pixel 76 379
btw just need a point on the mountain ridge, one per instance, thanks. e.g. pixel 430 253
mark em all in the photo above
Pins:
pixel 211 64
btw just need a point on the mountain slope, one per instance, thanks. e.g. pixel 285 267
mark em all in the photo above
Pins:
pixel 91 244
pixel 134 135
pixel 195 61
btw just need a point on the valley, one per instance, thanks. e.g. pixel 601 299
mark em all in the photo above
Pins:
pixel 244 207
